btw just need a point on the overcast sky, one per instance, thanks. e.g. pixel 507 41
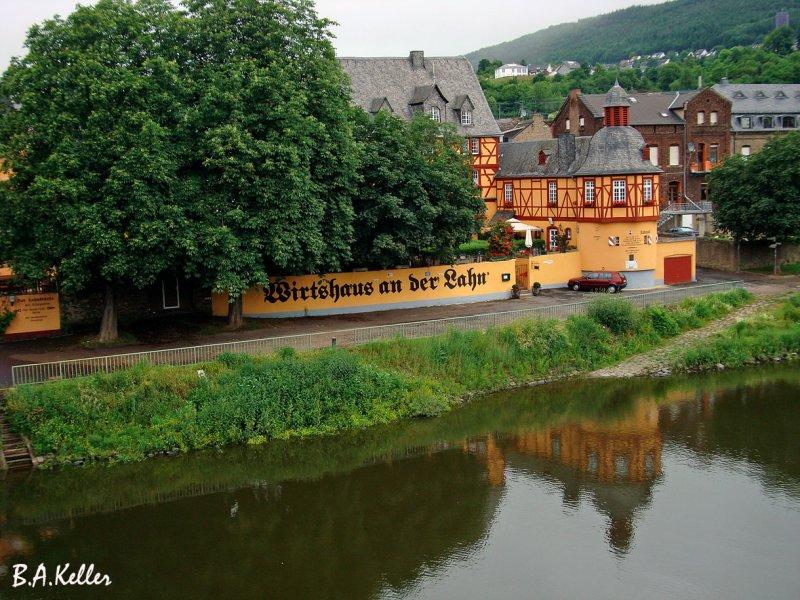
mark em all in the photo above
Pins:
pixel 375 27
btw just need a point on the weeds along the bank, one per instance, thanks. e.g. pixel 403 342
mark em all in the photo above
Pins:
pixel 132 414
pixel 772 335
pixel 612 329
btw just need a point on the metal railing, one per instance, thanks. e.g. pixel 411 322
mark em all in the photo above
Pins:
pixel 68 369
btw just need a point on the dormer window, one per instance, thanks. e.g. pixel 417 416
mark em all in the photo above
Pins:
pixel 788 122
pixel 542 157
pixel 466 117
pixel 767 123
pixel 739 95
pixel 436 114
pixel 780 95
pixel 745 122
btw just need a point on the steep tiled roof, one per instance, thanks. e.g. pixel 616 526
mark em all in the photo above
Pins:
pixel 611 151
pixel 401 84
pixel 761 98
pixel 646 108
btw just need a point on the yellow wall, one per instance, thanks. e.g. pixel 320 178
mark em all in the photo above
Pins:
pixel 554 270
pixel 366 291
pixel 598 255
pixel 36 314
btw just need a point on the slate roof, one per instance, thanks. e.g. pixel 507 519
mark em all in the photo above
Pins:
pixel 402 84
pixel 761 98
pixel 646 108
pixel 611 151
pixel 617 96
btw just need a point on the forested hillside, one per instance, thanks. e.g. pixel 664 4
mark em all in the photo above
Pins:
pixel 672 26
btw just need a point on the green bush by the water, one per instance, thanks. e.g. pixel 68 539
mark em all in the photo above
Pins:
pixel 761 338
pixel 129 414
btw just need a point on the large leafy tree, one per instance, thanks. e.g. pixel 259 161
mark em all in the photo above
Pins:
pixel 759 196
pixel 274 157
pixel 90 132
pixel 416 200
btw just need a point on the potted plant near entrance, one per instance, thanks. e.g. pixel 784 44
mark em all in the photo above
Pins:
pixel 515 292
pixel 536 289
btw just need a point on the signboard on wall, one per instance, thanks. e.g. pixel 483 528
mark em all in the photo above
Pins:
pixel 367 291
pixel 36 314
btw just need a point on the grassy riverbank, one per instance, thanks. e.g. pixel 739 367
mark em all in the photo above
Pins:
pixel 132 414
pixel 770 336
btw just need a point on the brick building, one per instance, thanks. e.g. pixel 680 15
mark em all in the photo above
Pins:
pixel 686 133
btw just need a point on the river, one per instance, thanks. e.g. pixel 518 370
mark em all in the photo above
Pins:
pixel 666 488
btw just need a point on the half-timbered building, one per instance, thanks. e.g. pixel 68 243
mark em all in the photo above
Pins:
pixel 598 193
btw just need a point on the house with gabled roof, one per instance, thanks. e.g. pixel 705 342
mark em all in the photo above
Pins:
pixel 446 88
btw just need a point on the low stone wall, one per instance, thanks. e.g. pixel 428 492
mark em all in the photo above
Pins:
pixel 721 254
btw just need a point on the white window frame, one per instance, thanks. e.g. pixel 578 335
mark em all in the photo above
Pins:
pixel 466 117
pixel 164 295
pixel 674 155
pixel 746 150
pixel 436 114
pixel 508 192
pixel 653 155
pixel 619 193
pixel 589 191
pixel 713 148
pixel 647 190
pixel 552 193
pixel 745 122
pixel 475 146
pixel 567 125
pixel 476 177
pixel 552 239
pixel 714 118
pixel 701 117
pixel 581 122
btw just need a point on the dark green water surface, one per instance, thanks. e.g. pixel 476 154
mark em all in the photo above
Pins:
pixel 598 489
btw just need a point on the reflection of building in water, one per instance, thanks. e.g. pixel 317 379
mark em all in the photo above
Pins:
pixel 615 464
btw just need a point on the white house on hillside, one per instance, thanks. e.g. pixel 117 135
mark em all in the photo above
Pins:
pixel 510 70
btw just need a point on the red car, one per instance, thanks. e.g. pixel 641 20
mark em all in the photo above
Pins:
pixel 608 281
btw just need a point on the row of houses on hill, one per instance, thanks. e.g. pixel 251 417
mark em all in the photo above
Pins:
pixel 550 70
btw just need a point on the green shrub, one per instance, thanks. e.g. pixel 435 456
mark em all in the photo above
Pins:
pixel 663 321
pixel 6 317
pixel 618 316
pixel 474 247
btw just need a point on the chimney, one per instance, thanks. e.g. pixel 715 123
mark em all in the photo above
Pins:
pixel 574 111
pixel 724 81
pixel 417 58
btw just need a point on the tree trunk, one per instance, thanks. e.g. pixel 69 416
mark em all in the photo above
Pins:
pixel 108 326
pixel 235 314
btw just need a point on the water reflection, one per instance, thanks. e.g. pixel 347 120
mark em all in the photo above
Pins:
pixel 378 510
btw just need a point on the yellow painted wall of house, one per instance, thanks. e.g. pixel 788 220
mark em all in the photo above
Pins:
pixel 637 240
pixel 337 293
pixel 36 314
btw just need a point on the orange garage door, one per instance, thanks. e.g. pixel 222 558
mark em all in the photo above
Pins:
pixel 677 269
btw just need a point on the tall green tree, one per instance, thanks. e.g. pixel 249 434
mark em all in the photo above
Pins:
pixel 416 200
pixel 759 196
pixel 91 135
pixel 780 40
pixel 275 160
